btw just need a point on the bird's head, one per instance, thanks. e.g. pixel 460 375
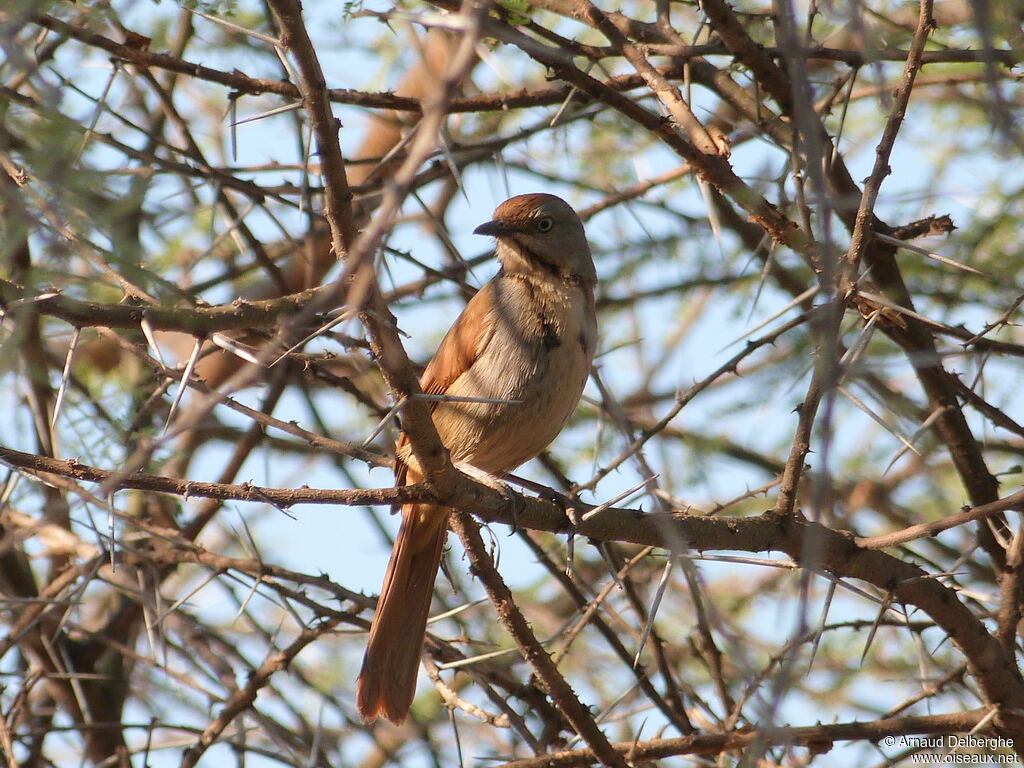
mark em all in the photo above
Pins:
pixel 540 231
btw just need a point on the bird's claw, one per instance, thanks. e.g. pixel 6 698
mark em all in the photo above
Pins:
pixel 570 507
pixel 495 484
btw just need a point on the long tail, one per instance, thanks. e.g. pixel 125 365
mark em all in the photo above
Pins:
pixel 387 681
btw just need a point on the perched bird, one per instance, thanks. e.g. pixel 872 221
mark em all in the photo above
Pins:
pixel 526 340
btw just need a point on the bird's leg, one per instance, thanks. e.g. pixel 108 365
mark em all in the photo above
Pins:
pixel 495 483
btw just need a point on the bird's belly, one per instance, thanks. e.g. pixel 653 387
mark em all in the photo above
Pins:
pixel 497 437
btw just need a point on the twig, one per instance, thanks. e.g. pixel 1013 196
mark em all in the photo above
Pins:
pixel 284 498
pixel 921 530
pixel 245 697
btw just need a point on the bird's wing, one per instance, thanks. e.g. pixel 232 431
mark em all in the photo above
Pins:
pixel 463 344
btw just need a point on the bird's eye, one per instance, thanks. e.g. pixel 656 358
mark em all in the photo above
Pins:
pixel 545 224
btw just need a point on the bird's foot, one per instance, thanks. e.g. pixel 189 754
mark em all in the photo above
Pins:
pixel 495 483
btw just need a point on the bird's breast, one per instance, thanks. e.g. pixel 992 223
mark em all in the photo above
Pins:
pixel 532 371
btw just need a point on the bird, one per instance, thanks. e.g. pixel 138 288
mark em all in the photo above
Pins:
pixel 518 357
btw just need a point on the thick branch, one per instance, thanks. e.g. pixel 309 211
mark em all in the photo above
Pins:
pixel 819 738
pixel 197 321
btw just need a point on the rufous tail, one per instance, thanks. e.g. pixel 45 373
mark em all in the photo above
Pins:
pixel 387 680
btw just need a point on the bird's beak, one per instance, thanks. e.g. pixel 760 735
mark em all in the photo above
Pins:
pixel 493 228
